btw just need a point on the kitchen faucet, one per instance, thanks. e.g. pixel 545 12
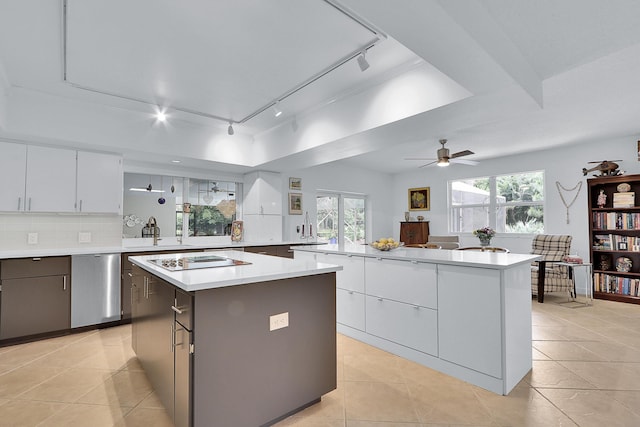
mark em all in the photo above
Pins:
pixel 152 223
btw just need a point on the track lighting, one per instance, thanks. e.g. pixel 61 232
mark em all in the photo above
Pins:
pixel 362 61
pixel 276 109
pixel 161 116
pixel 230 129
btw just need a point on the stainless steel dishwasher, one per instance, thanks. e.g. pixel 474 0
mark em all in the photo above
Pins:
pixel 95 289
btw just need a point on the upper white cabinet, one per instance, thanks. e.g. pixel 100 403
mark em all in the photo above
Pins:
pixel 99 183
pixel 51 180
pixel 13 161
pixel 262 193
pixel 43 179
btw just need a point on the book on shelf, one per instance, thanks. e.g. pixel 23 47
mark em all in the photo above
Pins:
pixel 612 284
pixel 624 200
pixel 616 242
pixel 616 220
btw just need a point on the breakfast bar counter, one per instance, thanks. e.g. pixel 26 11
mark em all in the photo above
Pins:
pixel 466 314
pixel 234 338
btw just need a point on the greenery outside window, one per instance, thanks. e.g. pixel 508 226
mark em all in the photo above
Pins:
pixel 511 203
pixel 341 218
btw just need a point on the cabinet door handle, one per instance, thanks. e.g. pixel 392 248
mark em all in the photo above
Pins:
pixel 80 205
pixel 176 309
pixel 417 307
pixel 29 203
pixel 19 202
pixel 172 337
pixel 36 259
pixel 130 274
pixel 64 283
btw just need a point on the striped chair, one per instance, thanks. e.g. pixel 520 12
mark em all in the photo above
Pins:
pixel 556 278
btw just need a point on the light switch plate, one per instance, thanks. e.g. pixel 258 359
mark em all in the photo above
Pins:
pixel 32 238
pixel 84 237
pixel 278 321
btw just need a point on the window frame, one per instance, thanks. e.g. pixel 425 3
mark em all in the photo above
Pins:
pixel 341 195
pixel 493 206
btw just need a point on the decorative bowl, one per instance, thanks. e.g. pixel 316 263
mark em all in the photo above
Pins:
pixel 386 246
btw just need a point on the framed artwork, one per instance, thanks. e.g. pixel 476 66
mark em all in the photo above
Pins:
pixel 295 203
pixel 236 231
pixel 295 184
pixel 419 199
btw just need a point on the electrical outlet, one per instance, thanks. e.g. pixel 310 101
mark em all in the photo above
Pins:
pixel 32 238
pixel 278 321
pixel 84 237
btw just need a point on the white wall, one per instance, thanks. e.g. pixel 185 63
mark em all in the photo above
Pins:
pixel 340 177
pixel 563 164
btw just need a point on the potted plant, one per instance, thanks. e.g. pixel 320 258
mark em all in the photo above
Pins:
pixel 484 234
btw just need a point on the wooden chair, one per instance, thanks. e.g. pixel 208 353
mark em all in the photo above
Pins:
pixel 483 249
pixel 445 242
pixel 545 276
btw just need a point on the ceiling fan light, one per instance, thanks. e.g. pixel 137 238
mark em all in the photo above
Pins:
pixel 443 162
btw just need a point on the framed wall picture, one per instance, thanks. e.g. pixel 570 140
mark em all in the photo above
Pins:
pixel 419 199
pixel 295 184
pixel 295 203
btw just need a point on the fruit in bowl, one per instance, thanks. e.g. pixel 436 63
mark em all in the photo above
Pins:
pixel 385 244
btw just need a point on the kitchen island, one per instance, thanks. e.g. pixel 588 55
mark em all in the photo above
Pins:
pixel 466 314
pixel 244 344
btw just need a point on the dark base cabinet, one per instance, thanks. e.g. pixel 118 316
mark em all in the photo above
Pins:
pixel 414 232
pixel 213 360
pixel 35 297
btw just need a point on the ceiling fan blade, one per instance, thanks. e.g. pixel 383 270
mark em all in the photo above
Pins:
pixel 461 153
pixel 464 162
pixel 429 164
pixel 419 158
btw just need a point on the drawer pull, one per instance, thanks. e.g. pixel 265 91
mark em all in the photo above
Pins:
pixel 414 261
pixel 350 292
pixel 36 259
pixel 380 299
pixel 417 307
pixel 176 309
pixel 349 255
pixel 379 259
pixel 130 274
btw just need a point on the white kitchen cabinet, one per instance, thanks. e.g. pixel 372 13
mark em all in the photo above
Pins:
pixel 351 277
pixel 262 193
pixel 99 183
pixel 407 281
pixel 470 326
pixel 13 163
pixel 350 309
pixel 406 324
pixel 51 180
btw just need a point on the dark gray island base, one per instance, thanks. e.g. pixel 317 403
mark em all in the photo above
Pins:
pixel 216 357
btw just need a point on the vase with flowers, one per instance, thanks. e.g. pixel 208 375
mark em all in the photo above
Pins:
pixel 484 234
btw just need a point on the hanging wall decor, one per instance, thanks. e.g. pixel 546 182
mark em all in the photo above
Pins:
pixel 559 186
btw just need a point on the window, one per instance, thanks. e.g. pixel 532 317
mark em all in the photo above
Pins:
pixel 341 218
pixel 213 208
pixel 507 203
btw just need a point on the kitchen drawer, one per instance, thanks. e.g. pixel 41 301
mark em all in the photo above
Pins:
pixel 351 277
pixel 35 267
pixel 350 308
pixel 184 306
pixel 409 325
pixel 404 281
pixel 284 251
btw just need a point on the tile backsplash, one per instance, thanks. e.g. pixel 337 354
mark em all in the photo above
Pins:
pixel 59 231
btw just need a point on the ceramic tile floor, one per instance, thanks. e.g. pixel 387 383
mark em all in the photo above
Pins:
pixel 586 373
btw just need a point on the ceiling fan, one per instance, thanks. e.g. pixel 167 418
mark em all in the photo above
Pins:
pixel 444 158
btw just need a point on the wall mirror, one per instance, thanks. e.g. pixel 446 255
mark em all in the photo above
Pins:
pixel 212 205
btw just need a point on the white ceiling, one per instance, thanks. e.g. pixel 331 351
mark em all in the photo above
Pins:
pixel 496 77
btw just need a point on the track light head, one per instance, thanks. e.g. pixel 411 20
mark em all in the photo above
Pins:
pixel 230 129
pixel 161 116
pixel 362 61
pixel 276 109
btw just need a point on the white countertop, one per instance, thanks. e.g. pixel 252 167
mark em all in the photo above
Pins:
pixel 262 268
pixel 493 260
pixel 144 245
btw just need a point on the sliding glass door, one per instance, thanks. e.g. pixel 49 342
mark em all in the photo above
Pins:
pixel 341 218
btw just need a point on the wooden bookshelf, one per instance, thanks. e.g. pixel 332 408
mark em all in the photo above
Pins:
pixel 615 235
